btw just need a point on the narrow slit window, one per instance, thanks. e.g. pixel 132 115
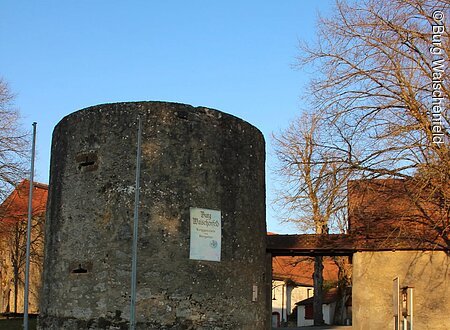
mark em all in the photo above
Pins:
pixel 87 161
pixel 79 270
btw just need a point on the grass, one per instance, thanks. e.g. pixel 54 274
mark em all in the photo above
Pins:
pixel 16 324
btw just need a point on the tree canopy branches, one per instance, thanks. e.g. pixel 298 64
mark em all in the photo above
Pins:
pixel 14 143
pixel 377 105
pixel 375 81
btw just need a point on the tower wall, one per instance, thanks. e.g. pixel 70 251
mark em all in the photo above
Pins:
pixel 191 158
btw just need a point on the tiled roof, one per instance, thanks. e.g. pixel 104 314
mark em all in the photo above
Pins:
pixel 328 297
pixel 310 244
pixel 15 206
pixel 300 269
pixel 343 244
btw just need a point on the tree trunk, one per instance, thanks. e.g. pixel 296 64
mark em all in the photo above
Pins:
pixel 318 290
pixel 344 281
pixel 16 287
pixel 16 265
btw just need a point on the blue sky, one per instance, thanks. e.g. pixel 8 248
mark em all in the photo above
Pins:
pixel 234 56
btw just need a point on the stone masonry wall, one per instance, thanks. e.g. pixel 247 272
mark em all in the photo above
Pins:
pixel 191 157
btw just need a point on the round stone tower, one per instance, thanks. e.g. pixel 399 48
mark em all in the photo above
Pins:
pixel 201 244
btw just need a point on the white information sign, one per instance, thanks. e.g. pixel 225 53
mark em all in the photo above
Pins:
pixel 206 234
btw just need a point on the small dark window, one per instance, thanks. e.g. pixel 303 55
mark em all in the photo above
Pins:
pixel 79 270
pixel 87 161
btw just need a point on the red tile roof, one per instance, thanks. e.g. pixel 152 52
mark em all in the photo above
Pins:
pixel 328 297
pixel 15 206
pixel 300 269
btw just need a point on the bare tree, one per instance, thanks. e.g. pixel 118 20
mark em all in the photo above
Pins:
pixel 14 143
pixel 314 193
pixel 14 150
pixel 13 235
pixel 313 180
pixel 381 89
pixel 381 96
pixel 376 79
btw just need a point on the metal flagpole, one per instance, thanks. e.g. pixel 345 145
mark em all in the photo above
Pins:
pixel 30 211
pixel 135 231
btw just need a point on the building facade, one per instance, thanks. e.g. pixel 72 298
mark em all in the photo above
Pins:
pixel 292 281
pixel 13 230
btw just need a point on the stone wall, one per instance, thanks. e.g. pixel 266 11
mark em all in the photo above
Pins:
pixel 191 157
pixel 373 274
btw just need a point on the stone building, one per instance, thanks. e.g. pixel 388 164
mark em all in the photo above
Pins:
pixel 201 243
pixel 13 228
pixel 399 245
pixel 403 234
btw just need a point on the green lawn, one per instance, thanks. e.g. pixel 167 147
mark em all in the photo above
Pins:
pixel 16 324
